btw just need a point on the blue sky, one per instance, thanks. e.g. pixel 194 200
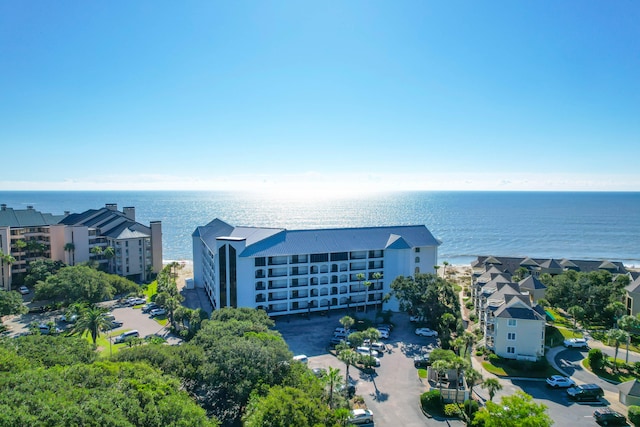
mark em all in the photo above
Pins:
pixel 356 95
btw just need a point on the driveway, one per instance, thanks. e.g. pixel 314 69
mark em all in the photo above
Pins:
pixel 393 392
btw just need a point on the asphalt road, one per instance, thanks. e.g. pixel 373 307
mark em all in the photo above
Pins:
pixel 393 392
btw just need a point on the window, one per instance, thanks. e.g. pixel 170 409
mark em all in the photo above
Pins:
pixel 511 350
pixel 417 250
pixel 417 260
pixel 511 336
pixel 260 262
pixel 512 322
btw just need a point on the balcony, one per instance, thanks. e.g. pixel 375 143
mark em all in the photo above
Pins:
pixel 277 272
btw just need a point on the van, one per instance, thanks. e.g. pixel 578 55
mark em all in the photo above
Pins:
pixel 585 392
pixel 301 358
pixel 125 336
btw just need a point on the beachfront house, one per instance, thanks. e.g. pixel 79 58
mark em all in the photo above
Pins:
pixel 301 271
pixel 633 295
pixel 27 234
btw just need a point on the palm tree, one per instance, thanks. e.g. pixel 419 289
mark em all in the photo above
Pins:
pixel 469 339
pixel 444 268
pixel 70 248
pixel 20 245
pixel 618 336
pixel 492 385
pixel 577 313
pixel 628 323
pixel 441 367
pixel 347 322
pixel 333 379
pixel 459 364
pixel 367 284
pixel 109 254
pixel 360 277
pixel 92 320
pixel 349 357
pixel 458 345
pixel 473 378
pixel 6 259
pixel 377 276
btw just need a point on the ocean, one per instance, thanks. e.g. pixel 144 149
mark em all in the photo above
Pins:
pixel 575 225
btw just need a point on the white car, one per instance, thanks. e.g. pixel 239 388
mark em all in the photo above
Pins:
pixel 576 343
pixel 157 312
pixel 384 334
pixel 365 351
pixel 426 332
pixel 23 290
pixel 361 416
pixel 558 381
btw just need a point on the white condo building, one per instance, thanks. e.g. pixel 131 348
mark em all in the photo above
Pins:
pixel 297 271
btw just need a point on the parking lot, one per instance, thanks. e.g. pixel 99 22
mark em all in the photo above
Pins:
pixel 393 392
pixel 131 318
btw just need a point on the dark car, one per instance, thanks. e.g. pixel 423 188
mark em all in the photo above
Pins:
pixel 609 417
pixel 585 392
pixel 421 361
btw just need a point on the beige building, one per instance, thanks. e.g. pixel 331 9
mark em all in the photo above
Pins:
pixel 111 238
pixel 633 296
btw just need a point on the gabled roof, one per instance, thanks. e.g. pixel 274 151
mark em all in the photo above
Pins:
pixel 517 309
pixel 111 223
pixel 528 262
pixel 531 282
pixel 567 263
pixel 630 388
pixel 511 264
pixel 550 264
pixel 280 242
pixel 633 287
pixel 18 218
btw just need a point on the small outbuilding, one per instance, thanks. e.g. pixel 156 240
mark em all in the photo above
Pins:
pixel 629 393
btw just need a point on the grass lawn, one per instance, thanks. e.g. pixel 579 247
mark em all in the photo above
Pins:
pixel 161 320
pixel 422 373
pixel 606 375
pixel 151 290
pixel 518 369
pixel 103 342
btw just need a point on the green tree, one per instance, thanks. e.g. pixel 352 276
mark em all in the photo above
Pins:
pixel 349 357
pixel 596 359
pixel 518 410
pixel 473 378
pixel 50 350
pixel 618 336
pixel 347 322
pixel 70 249
pixel 93 321
pixel 334 379
pixel 440 367
pixel 492 385
pixel 628 324
pixel 577 313
pixel 367 284
pixel 377 276
pixel 11 303
pixel 110 254
pixel 284 407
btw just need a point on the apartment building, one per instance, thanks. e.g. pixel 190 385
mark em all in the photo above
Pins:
pixel 299 271
pixel 111 238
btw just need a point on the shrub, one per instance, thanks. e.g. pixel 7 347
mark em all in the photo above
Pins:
pixel 494 358
pixel 431 400
pixel 452 410
pixel 636 367
pixel 634 415
pixel 470 407
pixel 473 317
pixel 469 304
pixel 596 359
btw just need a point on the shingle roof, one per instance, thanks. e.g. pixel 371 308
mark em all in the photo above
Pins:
pixel 111 223
pixel 516 309
pixel 511 264
pixel 531 282
pixel 630 388
pixel 634 286
pixel 278 242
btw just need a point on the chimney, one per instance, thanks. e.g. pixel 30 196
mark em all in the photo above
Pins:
pixel 3 207
pixel 30 207
pixel 129 212
pixel 111 206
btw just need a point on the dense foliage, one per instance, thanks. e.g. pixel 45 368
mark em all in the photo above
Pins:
pixel 598 293
pixel 432 297
pixel 82 283
pixel 517 410
pixel 11 303
pixel 54 381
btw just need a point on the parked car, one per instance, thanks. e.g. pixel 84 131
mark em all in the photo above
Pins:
pixel 426 332
pixel 337 340
pixel 116 324
pixel 558 381
pixel 69 319
pixel 576 343
pixel 157 312
pixel 125 336
pixel 23 290
pixel 361 416
pixel 585 392
pixel 367 351
pixel 384 334
pixel 136 301
pixel 319 372
pixel 148 307
pixel 609 417
pixel 349 389
pixel 301 358
pixel 421 361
